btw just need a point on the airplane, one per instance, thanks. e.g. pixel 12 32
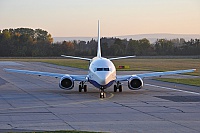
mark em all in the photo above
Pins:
pixel 101 74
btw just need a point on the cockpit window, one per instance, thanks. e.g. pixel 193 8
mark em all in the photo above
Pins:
pixel 102 69
pixel 106 69
pixel 99 69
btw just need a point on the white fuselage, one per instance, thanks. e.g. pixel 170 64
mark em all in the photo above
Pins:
pixel 102 73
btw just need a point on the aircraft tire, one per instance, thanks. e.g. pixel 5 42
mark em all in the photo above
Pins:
pixel 120 88
pixel 115 88
pixel 85 88
pixel 80 88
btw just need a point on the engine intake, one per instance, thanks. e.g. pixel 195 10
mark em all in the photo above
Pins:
pixel 135 83
pixel 66 83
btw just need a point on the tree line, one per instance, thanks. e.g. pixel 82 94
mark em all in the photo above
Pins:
pixel 26 42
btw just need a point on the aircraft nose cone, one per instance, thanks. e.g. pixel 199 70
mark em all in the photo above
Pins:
pixel 103 78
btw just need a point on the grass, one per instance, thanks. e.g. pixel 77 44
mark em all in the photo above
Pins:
pixel 161 64
pixel 62 62
pixel 193 81
pixel 135 64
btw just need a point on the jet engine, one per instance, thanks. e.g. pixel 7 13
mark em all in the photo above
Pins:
pixel 66 83
pixel 135 83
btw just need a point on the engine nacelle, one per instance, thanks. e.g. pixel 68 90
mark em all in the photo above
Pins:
pixel 135 83
pixel 66 83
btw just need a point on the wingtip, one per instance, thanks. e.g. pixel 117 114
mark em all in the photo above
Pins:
pixel 5 69
pixel 192 70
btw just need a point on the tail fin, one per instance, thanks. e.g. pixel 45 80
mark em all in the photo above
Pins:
pixel 99 46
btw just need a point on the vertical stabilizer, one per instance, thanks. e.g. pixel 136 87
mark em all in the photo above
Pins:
pixel 99 46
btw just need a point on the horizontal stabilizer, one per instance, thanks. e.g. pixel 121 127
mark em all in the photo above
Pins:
pixel 125 57
pixel 73 57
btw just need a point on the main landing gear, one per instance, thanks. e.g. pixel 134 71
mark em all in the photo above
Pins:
pixel 82 87
pixel 118 86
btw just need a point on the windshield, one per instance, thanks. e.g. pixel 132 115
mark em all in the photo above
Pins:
pixel 102 69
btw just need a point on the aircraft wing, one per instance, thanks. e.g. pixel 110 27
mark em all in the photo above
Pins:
pixel 123 77
pixel 153 74
pixel 79 77
pixel 55 75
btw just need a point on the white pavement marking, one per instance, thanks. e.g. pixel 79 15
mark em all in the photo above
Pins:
pixel 173 89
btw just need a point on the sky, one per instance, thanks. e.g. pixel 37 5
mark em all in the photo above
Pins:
pixel 78 18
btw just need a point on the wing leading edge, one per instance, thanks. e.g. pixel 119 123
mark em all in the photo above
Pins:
pixel 153 74
pixel 55 75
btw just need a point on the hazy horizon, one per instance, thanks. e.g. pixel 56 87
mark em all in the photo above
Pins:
pixel 130 35
pixel 151 37
pixel 72 18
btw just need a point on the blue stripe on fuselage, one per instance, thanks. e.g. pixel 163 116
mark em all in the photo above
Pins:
pixel 100 86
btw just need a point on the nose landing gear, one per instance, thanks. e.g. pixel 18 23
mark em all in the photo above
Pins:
pixel 102 93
